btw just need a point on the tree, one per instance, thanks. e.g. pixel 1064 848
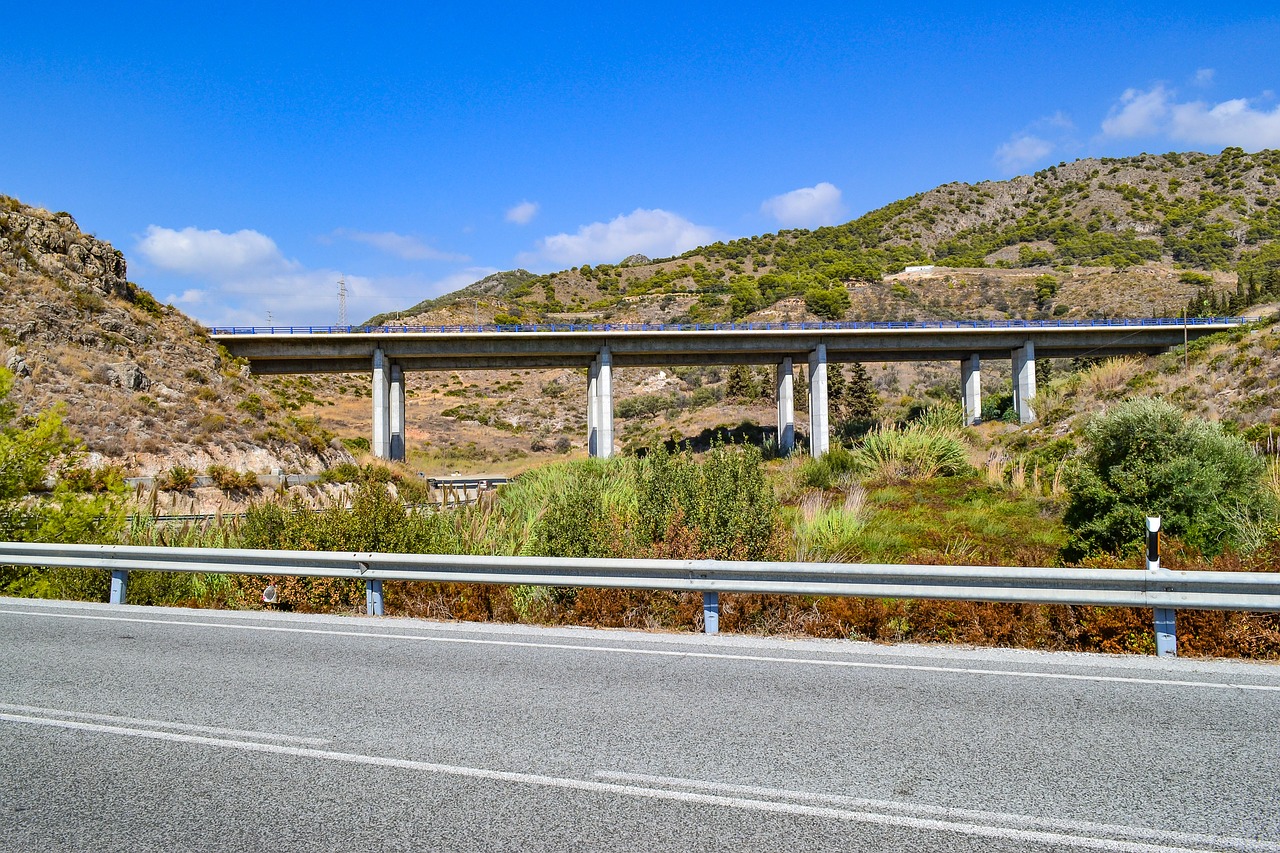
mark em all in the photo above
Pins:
pixel 863 401
pixel 740 383
pixel 827 302
pixel 1145 458
pixel 30 450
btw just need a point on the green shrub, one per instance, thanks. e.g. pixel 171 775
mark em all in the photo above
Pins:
pixel 1144 457
pixel 179 478
pixel 252 405
pixel 28 451
pixel 718 507
pixel 346 472
pixel 230 480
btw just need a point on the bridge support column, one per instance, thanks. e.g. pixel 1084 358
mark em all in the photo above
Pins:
pixel 819 436
pixel 604 407
pixel 396 408
pixel 381 439
pixel 593 388
pixel 1024 382
pixel 786 394
pixel 971 389
pixel 600 406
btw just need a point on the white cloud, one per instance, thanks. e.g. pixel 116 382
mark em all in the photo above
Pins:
pixel 401 245
pixel 1054 133
pixel 656 233
pixel 241 278
pixel 1155 112
pixel 192 251
pixel 1233 122
pixel 807 207
pixel 1138 113
pixel 1204 76
pixel 1021 151
pixel 187 297
pixel 522 213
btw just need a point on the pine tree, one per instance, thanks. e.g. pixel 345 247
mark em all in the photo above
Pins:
pixel 740 384
pixel 864 402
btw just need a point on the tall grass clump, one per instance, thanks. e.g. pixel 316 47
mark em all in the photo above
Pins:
pixel 913 452
pixel 836 465
pixel 830 532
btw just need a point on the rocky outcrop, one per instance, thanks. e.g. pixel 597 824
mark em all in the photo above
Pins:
pixel 52 243
pixel 16 364
pixel 127 376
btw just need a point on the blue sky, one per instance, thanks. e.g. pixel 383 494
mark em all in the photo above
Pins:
pixel 244 158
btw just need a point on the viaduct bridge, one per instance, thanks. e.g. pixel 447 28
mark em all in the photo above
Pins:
pixel 388 351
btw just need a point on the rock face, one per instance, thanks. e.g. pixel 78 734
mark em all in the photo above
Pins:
pixel 127 376
pixel 144 387
pixel 16 364
pixel 635 260
pixel 53 244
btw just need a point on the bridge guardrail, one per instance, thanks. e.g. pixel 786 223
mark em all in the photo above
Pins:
pixel 736 327
pixel 1161 589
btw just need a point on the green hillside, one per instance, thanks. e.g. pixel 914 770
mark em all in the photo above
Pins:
pixel 1195 213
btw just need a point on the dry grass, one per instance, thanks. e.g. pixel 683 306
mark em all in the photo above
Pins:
pixel 1108 378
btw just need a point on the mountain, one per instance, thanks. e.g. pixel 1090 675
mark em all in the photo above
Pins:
pixel 1129 237
pixel 1120 237
pixel 141 383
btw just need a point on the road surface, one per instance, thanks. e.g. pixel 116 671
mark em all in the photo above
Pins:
pixel 132 729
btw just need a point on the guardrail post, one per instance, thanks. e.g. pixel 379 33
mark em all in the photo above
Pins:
pixel 373 597
pixel 119 585
pixel 1166 618
pixel 711 612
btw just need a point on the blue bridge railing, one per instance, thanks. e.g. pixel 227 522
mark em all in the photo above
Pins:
pixel 732 327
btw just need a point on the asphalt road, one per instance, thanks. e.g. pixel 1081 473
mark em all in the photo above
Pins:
pixel 140 729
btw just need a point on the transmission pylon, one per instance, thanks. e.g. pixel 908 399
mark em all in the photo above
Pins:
pixel 342 300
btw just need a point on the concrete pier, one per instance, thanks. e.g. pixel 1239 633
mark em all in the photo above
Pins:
pixel 593 379
pixel 819 433
pixel 785 388
pixel 971 388
pixel 396 407
pixel 1024 382
pixel 600 406
pixel 380 442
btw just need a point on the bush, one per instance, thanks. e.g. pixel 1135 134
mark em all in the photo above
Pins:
pixel 230 480
pixel 1145 458
pixel 179 478
pixel 720 507
pixel 346 472
pixel 28 451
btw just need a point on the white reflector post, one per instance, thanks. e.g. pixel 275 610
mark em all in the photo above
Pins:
pixel 1166 618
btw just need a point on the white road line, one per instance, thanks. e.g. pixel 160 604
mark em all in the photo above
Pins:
pixel 743 803
pixel 163 724
pixel 618 650
pixel 985 817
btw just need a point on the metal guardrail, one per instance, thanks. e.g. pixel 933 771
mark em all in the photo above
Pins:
pixel 734 327
pixel 1156 588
